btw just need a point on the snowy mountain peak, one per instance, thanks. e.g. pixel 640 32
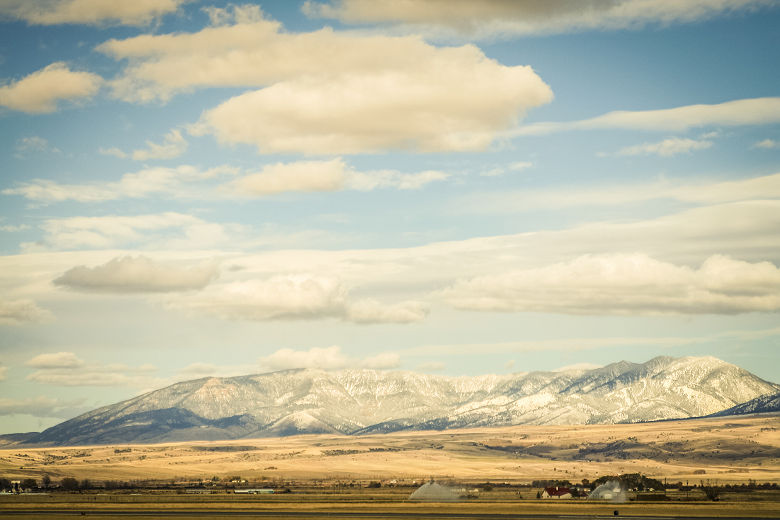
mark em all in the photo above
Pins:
pixel 364 401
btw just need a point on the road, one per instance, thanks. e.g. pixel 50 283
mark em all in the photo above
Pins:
pixel 230 513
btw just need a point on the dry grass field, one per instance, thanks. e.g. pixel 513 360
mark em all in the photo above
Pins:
pixel 730 450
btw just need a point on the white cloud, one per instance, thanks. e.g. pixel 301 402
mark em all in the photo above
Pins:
pixel 137 275
pixel 330 358
pixel 765 187
pixel 55 360
pixel 11 228
pixel 328 92
pixel 741 112
pixel 767 144
pixel 171 230
pixel 428 110
pixel 180 181
pixel 666 148
pixel 17 312
pixel 114 152
pixel 299 296
pixel 330 175
pixel 172 146
pixel 90 12
pixel 66 369
pixel 625 284
pixel 33 145
pixel 502 18
pixel 280 297
pixel 297 176
pixel 40 91
pixel 40 406
pixel 500 170
pixel 189 182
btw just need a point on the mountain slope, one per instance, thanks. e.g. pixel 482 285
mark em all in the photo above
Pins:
pixel 368 401
pixel 763 404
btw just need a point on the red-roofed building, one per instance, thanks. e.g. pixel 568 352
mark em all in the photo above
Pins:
pixel 556 492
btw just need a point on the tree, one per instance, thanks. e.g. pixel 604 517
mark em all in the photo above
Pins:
pixel 46 481
pixel 86 484
pixel 711 491
pixel 69 484
pixel 29 483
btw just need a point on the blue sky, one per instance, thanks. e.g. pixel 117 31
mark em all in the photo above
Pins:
pixel 195 188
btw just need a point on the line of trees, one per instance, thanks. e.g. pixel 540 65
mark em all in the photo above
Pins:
pixel 31 484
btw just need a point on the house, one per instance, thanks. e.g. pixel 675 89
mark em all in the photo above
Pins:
pixel 556 492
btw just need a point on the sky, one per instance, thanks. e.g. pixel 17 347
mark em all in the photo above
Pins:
pixel 197 188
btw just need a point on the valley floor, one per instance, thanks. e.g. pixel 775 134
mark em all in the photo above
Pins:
pixel 714 450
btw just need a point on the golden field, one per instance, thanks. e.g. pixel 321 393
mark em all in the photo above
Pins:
pixel 719 450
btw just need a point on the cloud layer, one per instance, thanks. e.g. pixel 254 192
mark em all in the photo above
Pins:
pixel 189 182
pixel 700 193
pixel 89 12
pixel 740 112
pixel 161 230
pixel 625 284
pixel 41 91
pixel 67 369
pixel 300 296
pixel 497 18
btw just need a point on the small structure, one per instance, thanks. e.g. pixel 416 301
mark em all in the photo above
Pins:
pixel 433 492
pixel 557 492
pixel 261 491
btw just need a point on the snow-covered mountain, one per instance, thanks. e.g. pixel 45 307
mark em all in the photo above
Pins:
pixel 367 401
pixel 763 404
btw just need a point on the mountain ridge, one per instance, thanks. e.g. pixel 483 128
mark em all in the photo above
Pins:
pixel 362 401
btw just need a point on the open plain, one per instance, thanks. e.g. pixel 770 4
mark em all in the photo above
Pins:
pixel 719 450
pixel 332 476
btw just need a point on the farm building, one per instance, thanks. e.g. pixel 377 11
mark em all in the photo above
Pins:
pixel 556 492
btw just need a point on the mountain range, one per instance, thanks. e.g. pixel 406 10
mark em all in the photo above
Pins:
pixel 354 402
